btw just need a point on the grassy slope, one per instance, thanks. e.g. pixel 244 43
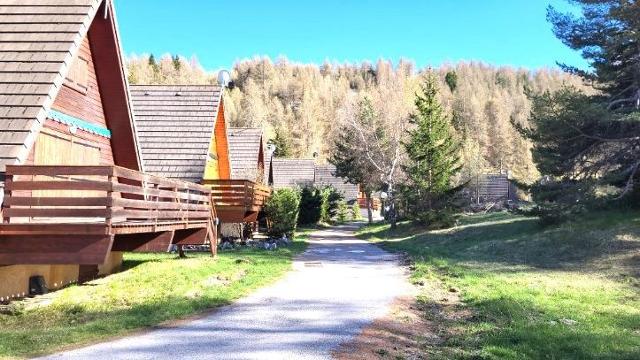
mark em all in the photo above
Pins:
pixel 154 288
pixel 523 286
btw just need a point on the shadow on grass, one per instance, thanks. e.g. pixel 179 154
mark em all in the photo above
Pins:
pixel 515 240
pixel 533 332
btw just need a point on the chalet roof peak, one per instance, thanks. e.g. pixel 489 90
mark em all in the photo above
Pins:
pixel 39 43
pixel 161 112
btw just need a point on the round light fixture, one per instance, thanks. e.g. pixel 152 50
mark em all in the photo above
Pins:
pixel 224 77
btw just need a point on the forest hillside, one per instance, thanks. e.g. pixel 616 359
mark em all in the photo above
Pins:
pixel 302 104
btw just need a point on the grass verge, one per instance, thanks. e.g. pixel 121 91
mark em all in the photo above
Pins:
pixel 153 288
pixel 500 286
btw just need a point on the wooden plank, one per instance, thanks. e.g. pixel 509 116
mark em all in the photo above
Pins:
pixel 55 249
pixel 82 185
pixel 164 182
pixel 152 214
pixel 137 190
pixel 57 201
pixel 49 170
pixel 145 242
pixel 57 212
pixel 53 229
pixel 152 205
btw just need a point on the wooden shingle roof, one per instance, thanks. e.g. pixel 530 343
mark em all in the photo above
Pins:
pixel 38 41
pixel 289 173
pixel 325 177
pixel 245 145
pixel 175 125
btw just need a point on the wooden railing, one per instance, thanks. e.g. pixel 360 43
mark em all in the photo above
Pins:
pixel 101 194
pixel 238 194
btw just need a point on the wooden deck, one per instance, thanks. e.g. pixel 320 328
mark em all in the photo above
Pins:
pixel 238 201
pixel 78 214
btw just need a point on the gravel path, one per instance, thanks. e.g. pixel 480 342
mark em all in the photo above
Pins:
pixel 338 286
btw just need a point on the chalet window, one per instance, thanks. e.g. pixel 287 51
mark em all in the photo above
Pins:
pixel 78 76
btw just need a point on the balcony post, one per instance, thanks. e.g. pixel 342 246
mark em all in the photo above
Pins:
pixel 7 195
pixel 110 197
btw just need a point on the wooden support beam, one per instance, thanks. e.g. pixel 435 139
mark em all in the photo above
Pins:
pixel 55 249
pixel 190 237
pixel 146 242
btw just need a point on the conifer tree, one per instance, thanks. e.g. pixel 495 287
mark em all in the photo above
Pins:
pixel 433 154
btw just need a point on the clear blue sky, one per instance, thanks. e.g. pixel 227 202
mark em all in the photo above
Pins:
pixel 430 32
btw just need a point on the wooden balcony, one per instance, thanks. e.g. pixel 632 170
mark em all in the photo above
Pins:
pixel 78 214
pixel 238 201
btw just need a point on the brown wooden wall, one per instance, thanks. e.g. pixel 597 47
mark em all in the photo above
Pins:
pixel 224 167
pixel 87 106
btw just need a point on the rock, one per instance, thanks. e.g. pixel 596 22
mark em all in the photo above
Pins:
pixel 568 322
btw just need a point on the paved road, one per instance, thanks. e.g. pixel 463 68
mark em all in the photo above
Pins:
pixel 339 285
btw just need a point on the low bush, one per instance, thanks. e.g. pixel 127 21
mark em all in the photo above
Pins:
pixel 355 211
pixel 318 204
pixel 342 214
pixel 282 210
pixel 437 219
pixel 330 203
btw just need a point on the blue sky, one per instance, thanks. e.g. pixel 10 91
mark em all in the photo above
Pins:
pixel 430 32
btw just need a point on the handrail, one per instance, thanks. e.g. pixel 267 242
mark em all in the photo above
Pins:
pixel 238 193
pixel 108 194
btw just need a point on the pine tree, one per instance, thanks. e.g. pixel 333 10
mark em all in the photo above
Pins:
pixel 153 63
pixel 588 144
pixel 451 78
pixel 177 63
pixel 282 144
pixel 433 154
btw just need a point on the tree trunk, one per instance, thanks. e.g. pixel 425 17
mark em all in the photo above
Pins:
pixel 392 207
pixel 369 210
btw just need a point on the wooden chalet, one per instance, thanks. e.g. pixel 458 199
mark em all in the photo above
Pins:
pixel 74 193
pixel 292 173
pixel 325 176
pixel 183 136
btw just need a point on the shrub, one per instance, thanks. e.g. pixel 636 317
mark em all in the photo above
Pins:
pixel 342 212
pixel 282 210
pixel 330 203
pixel 355 211
pixel 311 204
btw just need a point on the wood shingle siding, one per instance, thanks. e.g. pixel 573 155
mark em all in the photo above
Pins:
pixel 38 41
pixel 292 172
pixel 175 124
pixel 246 150
pixel 325 177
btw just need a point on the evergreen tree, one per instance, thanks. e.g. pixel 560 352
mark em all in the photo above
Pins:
pixel 451 78
pixel 153 63
pixel 588 144
pixel 282 144
pixel 433 154
pixel 177 64
pixel 607 36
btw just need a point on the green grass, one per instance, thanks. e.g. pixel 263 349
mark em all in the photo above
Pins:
pixel 525 291
pixel 153 289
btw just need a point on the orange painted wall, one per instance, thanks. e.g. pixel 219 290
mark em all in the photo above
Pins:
pixel 219 168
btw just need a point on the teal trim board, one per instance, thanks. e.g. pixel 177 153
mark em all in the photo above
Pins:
pixel 79 123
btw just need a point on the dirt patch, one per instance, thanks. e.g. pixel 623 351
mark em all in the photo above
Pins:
pixel 415 328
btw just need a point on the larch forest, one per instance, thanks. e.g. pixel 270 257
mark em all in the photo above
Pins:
pixel 303 104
